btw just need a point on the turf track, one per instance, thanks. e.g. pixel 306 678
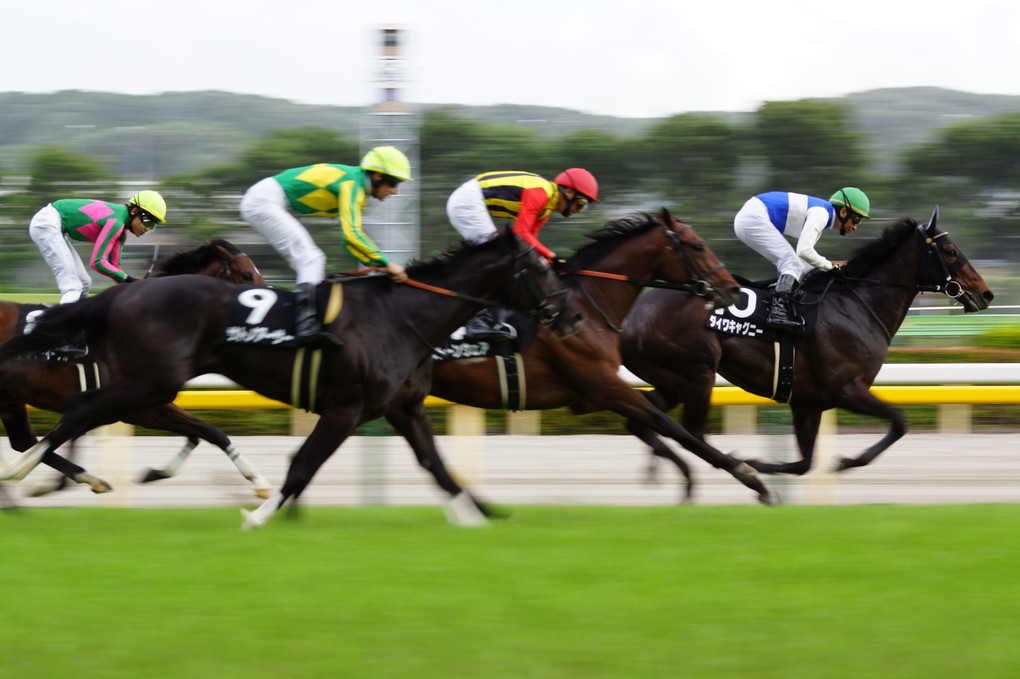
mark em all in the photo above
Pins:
pixel 858 591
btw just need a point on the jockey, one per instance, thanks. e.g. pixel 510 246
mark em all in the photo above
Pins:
pixel 766 218
pixel 104 224
pixel 528 200
pixel 328 190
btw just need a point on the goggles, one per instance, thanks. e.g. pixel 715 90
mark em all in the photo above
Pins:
pixel 148 220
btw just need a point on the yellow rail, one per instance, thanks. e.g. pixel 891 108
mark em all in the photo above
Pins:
pixel 721 396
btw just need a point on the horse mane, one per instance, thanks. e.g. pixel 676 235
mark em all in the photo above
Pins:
pixel 191 261
pixel 609 236
pixel 878 251
pixel 453 257
pixel 870 255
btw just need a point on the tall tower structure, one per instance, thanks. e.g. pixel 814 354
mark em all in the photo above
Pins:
pixel 392 121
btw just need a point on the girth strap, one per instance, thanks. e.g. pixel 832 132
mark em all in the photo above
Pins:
pixel 782 375
pixel 511 381
pixel 304 382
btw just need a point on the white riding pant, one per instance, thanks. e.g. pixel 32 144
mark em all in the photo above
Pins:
pixel 73 278
pixel 753 227
pixel 265 207
pixel 468 214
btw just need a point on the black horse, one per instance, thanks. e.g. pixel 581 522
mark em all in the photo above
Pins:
pixel 46 384
pixel 665 340
pixel 166 331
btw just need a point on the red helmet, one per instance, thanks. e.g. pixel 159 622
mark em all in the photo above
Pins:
pixel 580 180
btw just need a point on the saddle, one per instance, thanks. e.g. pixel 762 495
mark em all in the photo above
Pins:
pixel 74 352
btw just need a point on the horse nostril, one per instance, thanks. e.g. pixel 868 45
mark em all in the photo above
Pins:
pixel 988 295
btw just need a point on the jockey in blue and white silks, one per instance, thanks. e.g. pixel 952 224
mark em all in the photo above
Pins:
pixel 766 220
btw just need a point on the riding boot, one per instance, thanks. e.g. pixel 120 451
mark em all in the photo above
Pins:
pixel 489 325
pixel 781 314
pixel 307 326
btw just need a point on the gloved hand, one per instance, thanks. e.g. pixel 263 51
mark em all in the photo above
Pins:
pixel 396 272
pixel 130 279
pixel 837 272
pixel 558 264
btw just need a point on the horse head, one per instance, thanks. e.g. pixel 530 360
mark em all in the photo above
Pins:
pixel 538 290
pixel 217 258
pixel 943 267
pixel 695 262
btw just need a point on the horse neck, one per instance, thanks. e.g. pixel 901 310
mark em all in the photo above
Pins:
pixel 614 298
pixel 437 315
pixel 892 302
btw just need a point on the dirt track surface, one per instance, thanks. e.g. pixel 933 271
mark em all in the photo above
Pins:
pixel 922 468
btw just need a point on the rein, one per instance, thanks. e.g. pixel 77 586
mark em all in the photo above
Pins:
pixel 930 254
pixel 701 288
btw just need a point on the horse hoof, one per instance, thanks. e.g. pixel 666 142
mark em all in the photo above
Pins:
pixel 769 499
pixel 154 475
pixel 248 521
pixel 263 493
pixel 100 487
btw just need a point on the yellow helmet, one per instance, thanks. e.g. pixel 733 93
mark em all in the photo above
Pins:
pixel 151 202
pixel 388 160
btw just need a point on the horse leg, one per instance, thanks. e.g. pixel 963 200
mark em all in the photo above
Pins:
pixel 14 415
pixel 805 426
pixel 866 403
pixel 411 421
pixel 332 429
pixel 169 417
pixel 86 411
pixel 659 449
pixel 624 400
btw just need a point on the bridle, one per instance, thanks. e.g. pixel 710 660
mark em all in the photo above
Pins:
pixel 699 285
pixel 544 310
pixel 226 272
pixel 934 267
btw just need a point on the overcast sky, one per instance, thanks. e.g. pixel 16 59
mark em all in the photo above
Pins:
pixel 640 58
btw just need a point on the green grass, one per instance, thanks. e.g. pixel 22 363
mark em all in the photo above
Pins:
pixel 862 591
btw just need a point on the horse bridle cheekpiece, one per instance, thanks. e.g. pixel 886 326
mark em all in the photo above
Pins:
pixel 934 262
pixel 702 288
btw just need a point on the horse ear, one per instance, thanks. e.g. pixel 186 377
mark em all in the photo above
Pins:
pixel 931 222
pixel 667 218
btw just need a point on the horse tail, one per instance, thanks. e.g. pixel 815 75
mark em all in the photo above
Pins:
pixel 58 324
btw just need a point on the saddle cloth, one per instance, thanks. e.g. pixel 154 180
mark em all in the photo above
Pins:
pixel 456 347
pixel 265 316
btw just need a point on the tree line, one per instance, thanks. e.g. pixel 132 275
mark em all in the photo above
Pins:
pixel 702 166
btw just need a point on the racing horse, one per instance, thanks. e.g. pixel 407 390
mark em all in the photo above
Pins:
pixel 860 307
pixel 47 384
pixel 171 329
pixel 605 278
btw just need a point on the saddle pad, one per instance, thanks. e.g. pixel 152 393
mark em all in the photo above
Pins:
pixel 262 316
pixel 747 317
pixel 456 347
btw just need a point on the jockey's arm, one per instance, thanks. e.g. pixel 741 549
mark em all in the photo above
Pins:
pixel 813 226
pixel 527 225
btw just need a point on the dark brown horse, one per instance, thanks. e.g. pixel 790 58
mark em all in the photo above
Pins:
pixel 859 309
pixel 166 331
pixel 47 384
pixel 605 279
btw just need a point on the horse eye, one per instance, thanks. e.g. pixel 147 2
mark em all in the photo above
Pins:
pixel 699 247
pixel 951 253
pixel 247 276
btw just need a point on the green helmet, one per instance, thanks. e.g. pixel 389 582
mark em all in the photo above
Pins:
pixel 388 160
pixel 151 202
pixel 853 198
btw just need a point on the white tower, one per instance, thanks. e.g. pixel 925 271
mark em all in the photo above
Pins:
pixel 391 121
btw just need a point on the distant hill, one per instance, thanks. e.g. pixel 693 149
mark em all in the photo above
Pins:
pixel 184 132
